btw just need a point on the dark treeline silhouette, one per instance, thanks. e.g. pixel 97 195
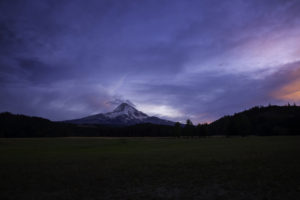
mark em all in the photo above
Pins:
pixel 270 120
pixel 263 121
pixel 24 126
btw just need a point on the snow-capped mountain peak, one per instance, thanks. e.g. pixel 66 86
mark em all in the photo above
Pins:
pixel 126 110
pixel 124 107
pixel 123 115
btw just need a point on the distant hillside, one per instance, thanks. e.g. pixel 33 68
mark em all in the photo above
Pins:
pixel 270 120
pixel 24 126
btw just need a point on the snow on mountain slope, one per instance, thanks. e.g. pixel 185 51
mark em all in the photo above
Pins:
pixel 125 109
pixel 123 115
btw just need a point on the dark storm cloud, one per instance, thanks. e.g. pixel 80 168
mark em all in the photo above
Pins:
pixel 64 59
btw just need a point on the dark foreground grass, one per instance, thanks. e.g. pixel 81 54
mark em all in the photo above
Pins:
pixel 150 168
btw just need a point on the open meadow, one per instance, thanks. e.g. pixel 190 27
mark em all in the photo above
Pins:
pixel 150 168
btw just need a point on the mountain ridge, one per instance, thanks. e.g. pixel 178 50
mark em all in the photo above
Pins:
pixel 122 115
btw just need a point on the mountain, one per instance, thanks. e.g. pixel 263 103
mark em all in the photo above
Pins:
pixel 123 115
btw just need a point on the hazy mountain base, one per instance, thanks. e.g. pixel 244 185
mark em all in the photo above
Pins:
pixel 150 168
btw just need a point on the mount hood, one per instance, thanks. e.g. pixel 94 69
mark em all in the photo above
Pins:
pixel 123 115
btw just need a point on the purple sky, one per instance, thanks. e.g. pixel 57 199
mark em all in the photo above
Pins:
pixel 175 59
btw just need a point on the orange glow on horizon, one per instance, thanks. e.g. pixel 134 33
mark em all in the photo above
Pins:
pixel 290 91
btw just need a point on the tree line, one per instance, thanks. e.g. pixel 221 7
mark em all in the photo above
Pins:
pixel 259 120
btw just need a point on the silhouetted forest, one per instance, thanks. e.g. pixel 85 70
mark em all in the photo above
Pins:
pixel 270 120
pixel 263 121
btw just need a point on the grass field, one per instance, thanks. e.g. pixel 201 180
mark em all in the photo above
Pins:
pixel 150 168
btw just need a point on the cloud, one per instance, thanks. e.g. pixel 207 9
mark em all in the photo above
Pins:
pixel 206 97
pixel 117 101
pixel 289 87
pixel 161 111
pixel 179 59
